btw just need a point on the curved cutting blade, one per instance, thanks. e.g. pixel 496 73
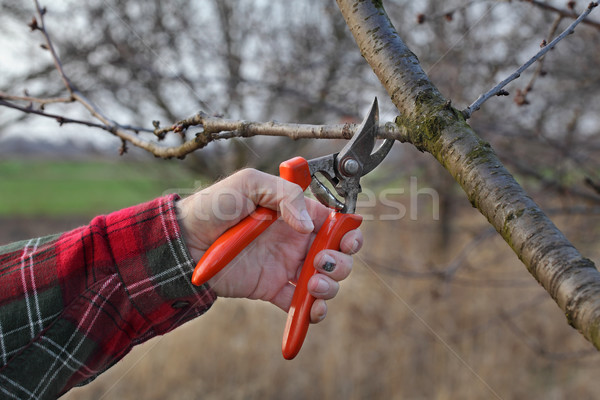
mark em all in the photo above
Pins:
pixel 344 169
pixel 360 147
pixel 362 143
pixel 378 156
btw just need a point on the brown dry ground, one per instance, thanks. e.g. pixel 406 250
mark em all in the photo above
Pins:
pixel 396 330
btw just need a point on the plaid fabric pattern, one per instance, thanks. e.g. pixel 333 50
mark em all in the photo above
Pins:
pixel 72 305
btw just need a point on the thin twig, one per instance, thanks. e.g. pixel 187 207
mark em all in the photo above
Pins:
pixel 562 12
pixel 37 100
pixel 75 93
pixel 59 118
pixel 211 128
pixel 214 128
pixel 467 112
pixel 7 101
pixel 50 47
pixel 521 95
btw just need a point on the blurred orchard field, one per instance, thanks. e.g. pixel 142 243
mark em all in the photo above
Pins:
pixel 417 319
pixel 438 306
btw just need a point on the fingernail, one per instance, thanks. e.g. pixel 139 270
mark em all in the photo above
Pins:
pixel 355 246
pixel 328 263
pixel 322 286
pixel 306 221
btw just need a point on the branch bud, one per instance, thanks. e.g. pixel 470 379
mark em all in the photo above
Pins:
pixel 123 148
pixel 33 25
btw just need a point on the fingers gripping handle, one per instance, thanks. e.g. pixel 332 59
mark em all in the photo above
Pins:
pixel 329 237
pixel 236 238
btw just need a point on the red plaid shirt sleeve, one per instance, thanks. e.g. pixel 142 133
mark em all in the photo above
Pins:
pixel 72 305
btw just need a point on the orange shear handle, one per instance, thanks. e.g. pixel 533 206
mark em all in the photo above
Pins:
pixel 329 237
pixel 236 238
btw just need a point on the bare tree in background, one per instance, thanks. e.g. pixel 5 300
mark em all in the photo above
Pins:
pixel 171 59
pixel 297 62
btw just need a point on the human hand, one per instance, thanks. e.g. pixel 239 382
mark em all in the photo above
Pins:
pixel 266 267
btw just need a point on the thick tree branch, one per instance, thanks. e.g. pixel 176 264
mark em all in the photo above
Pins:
pixel 434 126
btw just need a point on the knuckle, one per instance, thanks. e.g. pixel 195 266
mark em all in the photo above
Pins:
pixel 249 173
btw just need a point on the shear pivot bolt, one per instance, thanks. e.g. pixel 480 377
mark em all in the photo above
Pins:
pixel 350 167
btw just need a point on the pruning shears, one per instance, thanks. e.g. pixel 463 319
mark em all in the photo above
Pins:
pixel 343 170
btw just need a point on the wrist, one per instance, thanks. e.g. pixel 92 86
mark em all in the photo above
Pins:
pixel 190 229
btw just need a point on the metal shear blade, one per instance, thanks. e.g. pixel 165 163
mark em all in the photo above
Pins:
pixel 345 168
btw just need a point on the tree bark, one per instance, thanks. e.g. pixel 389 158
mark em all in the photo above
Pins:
pixel 434 126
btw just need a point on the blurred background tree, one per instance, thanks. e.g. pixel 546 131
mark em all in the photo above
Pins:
pixel 467 304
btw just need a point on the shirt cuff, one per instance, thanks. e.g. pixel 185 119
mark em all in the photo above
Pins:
pixel 155 265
